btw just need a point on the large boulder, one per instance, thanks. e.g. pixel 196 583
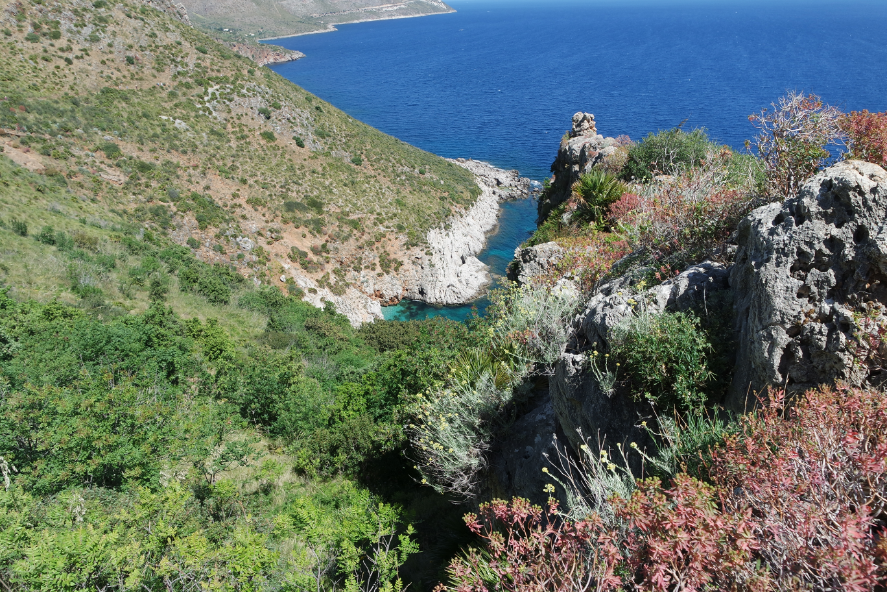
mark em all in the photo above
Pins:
pixel 810 275
pixel 535 261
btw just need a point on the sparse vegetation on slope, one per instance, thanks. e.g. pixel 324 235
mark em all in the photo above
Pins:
pixel 125 108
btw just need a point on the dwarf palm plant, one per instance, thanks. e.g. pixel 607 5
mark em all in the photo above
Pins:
pixel 592 196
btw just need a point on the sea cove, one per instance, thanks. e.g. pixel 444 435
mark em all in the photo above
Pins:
pixel 498 81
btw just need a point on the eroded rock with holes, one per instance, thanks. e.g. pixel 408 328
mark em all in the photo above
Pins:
pixel 811 276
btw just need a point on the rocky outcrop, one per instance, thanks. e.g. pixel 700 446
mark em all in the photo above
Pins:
pixel 810 276
pixel 452 274
pixel 265 55
pixel 583 409
pixel 528 445
pixel 530 262
pixel 581 149
pixel 177 11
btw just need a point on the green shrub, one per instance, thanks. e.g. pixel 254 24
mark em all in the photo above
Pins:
pixel 130 60
pixel 299 142
pixel 193 243
pixel 357 160
pixel 265 112
pixel 32 37
pixel 111 150
pixel 665 153
pixel 268 135
pixel 664 356
pixel 46 236
pixel 202 49
pixel 19 227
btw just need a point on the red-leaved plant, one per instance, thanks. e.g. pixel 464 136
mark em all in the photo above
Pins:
pixel 814 474
pixel 797 501
pixel 866 136
pixel 527 548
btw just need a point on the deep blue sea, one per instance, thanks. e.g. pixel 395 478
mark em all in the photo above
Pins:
pixel 500 79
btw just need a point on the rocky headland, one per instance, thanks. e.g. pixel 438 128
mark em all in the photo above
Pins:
pixel 802 284
pixel 266 55
pixel 255 19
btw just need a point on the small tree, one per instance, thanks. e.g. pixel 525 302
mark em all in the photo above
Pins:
pixel 793 139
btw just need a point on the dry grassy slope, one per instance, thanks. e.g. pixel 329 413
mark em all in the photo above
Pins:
pixel 277 18
pixel 81 80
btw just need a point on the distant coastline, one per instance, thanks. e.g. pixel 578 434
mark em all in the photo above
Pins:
pixel 332 27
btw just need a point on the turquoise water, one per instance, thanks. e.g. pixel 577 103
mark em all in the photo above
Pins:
pixel 516 224
pixel 500 79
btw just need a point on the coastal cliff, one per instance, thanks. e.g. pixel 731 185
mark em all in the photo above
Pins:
pixel 444 271
pixel 449 273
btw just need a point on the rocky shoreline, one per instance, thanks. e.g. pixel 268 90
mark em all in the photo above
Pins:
pixel 331 27
pixel 445 271
pixel 452 274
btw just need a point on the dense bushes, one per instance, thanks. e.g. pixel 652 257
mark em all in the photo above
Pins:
pixel 664 358
pixel 793 503
pixel 109 426
pixel 667 153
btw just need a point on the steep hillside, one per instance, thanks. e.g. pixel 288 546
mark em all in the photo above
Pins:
pixel 116 114
pixel 277 18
